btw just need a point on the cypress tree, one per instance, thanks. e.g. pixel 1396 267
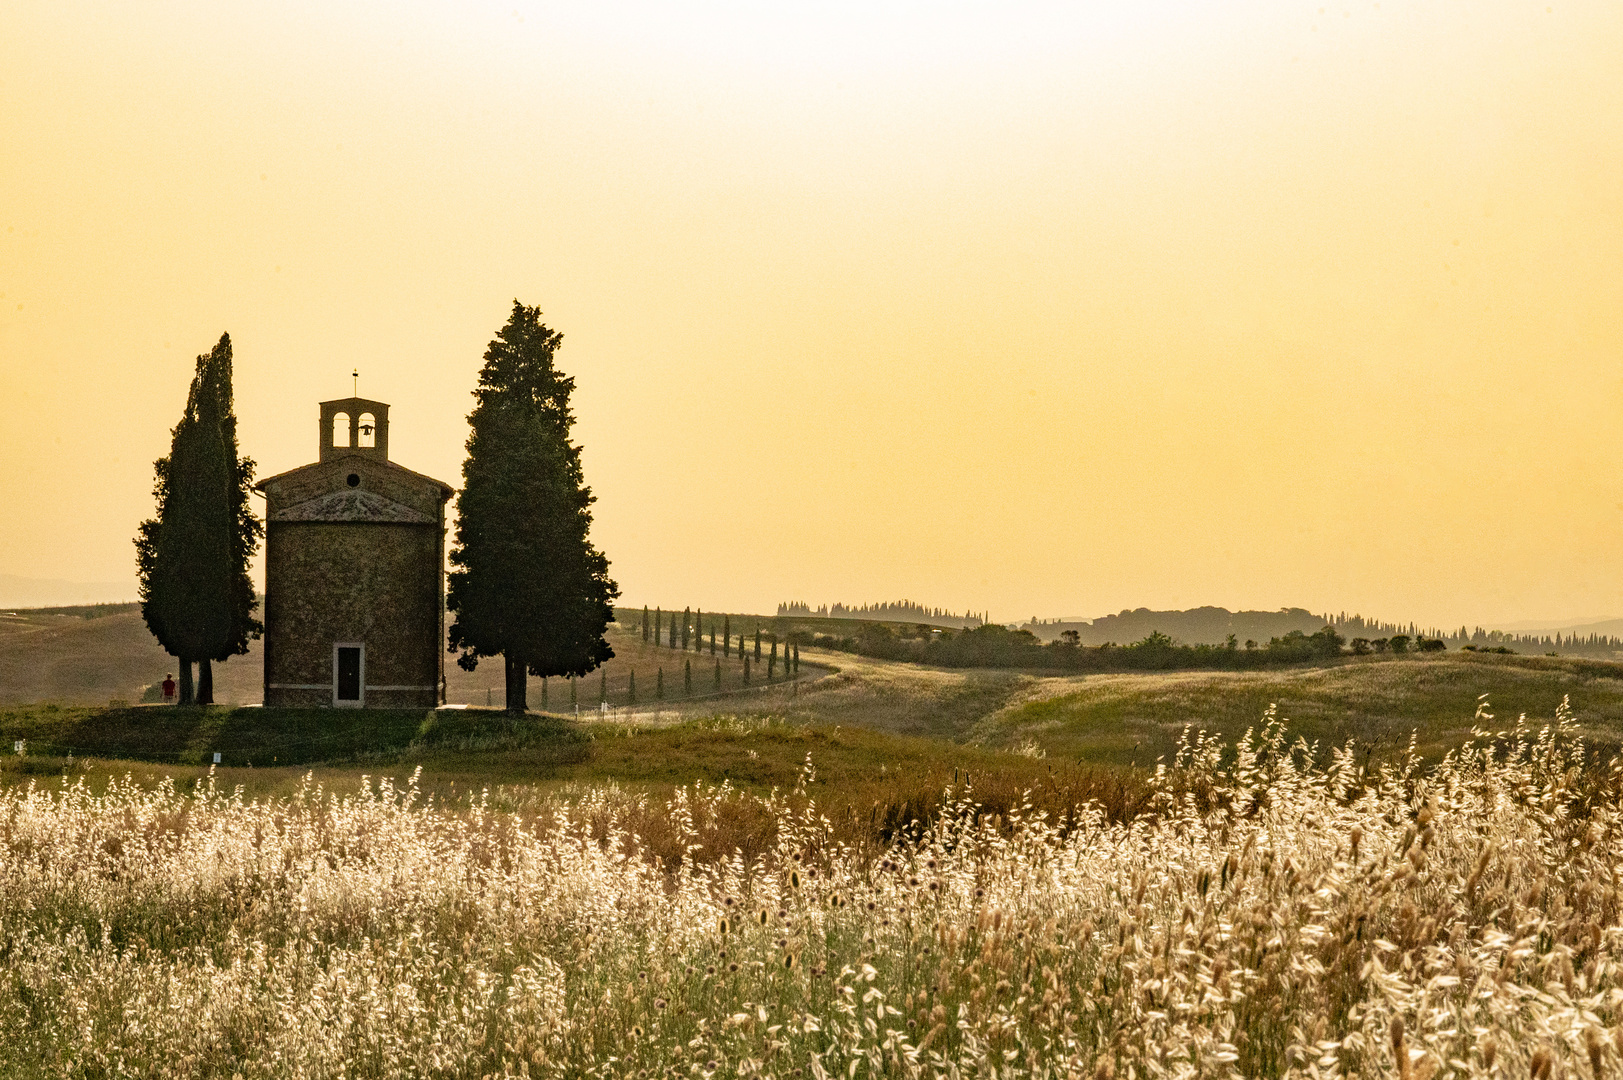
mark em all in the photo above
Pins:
pixel 192 559
pixel 757 644
pixel 726 634
pixel 712 637
pixel 659 619
pixel 673 629
pixel 645 624
pixel 687 616
pixel 698 630
pixel 527 582
pixel 631 688
pixel 687 678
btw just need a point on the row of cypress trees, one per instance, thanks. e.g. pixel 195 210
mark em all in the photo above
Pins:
pixel 791 668
pixel 680 633
pixel 192 558
pixel 690 630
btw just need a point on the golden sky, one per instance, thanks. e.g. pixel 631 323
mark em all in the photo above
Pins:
pixel 1037 308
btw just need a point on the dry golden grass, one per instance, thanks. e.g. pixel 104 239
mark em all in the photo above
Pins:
pixel 1267 915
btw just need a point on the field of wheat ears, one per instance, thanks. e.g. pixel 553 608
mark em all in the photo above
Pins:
pixel 1264 916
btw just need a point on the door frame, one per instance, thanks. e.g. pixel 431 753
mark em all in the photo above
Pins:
pixel 346 703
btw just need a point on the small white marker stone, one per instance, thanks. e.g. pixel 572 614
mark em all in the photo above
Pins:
pixel 18 746
pixel 216 759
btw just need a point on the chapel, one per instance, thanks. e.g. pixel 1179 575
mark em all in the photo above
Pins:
pixel 354 572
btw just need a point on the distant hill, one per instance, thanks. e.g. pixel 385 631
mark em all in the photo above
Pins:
pixel 1579 629
pixel 1197 626
pixel 1213 625
pixel 92 655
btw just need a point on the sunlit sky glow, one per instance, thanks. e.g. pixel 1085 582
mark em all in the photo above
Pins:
pixel 1043 309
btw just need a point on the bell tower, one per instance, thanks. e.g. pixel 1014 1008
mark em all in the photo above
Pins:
pixel 354 572
pixel 354 425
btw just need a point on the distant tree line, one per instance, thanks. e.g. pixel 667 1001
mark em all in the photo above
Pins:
pixel 994 645
pixel 1213 625
pixel 895 611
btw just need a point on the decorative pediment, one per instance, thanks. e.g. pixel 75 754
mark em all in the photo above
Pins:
pixel 352 506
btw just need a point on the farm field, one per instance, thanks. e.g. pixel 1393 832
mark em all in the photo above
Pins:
pixel 73 660
pixel 1138 718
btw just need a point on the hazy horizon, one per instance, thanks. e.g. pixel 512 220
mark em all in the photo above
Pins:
pixel 1023 308
pixel 24 593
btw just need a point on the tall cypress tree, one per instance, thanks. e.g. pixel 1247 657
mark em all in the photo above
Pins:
pixel 645 623
pixel 659 619
pixel 698 630
pixel 528 584
pixel 687 621
pixel 192 559
pixel 726 634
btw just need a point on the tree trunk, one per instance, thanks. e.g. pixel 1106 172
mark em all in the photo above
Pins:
pixel 517 683
pixel 205 682
pixel 187 697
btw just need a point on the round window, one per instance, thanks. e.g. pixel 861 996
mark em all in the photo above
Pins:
pixel 354 479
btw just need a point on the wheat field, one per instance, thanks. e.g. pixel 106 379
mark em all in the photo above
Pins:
pixel 1268 917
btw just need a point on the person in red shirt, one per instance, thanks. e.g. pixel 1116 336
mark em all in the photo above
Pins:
pixel 169 689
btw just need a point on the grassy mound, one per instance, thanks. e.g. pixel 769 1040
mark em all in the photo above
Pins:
pixel 271 737
pixel 1138 718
